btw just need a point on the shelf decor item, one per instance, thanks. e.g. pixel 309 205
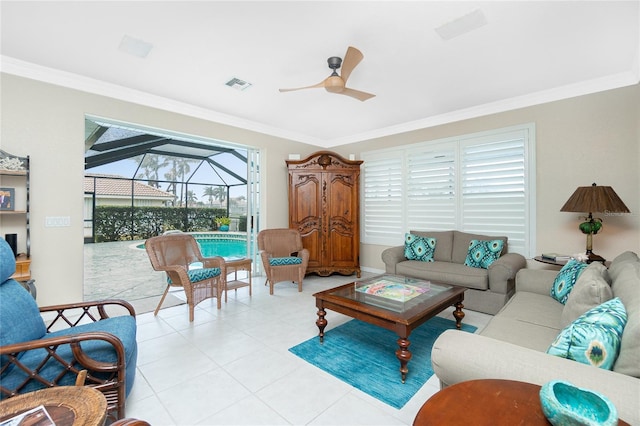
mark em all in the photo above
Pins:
pixel 7 197
pixel 565 404
pixel 590 199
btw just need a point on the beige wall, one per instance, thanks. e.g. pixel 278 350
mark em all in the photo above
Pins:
pixel 593 138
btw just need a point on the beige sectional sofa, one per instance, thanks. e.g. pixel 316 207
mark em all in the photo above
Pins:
pixel 513 345
pixel 489 289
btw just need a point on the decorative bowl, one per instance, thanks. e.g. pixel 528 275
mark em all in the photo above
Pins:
pixel 567 405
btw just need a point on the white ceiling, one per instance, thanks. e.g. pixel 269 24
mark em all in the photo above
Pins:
pixel 527 53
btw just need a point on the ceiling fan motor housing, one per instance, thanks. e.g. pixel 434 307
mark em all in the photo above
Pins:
pixel 334 62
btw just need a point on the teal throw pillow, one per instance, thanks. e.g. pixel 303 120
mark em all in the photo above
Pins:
pixel 483 253
pixel 200 274
pixel 566 279
pixel 594 338
pixel 282 261
pixel 419 248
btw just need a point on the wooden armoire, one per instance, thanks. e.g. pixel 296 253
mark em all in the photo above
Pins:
pixel 324 206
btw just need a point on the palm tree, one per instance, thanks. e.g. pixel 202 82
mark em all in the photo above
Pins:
pixel 191 198
pixel 150 165
pixel 210 192
pixel 220 193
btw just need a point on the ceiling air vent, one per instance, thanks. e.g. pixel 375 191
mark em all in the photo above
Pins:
pixel 238 84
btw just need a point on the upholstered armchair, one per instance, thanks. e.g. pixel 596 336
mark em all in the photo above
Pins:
pixel 283 257
pixel 99 337
pixel 175 254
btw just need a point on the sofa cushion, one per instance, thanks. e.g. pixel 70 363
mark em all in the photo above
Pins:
pixel 594 338
pixel 444 245
pixel 566 279
pixel 419 248
pixel 626 286
pixel 461 241
pixel 482 253
pixel 445 272
pixel 590 290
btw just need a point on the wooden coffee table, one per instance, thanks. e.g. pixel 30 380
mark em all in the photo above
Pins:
pixel 399 304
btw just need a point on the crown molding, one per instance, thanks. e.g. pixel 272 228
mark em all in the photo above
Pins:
pixel 32 71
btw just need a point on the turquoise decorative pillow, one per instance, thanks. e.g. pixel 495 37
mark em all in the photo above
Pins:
pixel 289 260
pixel 594 338
pixel 566 279
pixel 419 248
pixel 483 253
pixel 200 274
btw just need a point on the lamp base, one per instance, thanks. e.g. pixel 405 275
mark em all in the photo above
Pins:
pixel 592 257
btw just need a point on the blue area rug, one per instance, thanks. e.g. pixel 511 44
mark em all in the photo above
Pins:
pixel 364 356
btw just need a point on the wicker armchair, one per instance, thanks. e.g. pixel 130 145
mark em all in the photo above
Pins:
pixel 175 254
pixel 78 337
pixel 283 257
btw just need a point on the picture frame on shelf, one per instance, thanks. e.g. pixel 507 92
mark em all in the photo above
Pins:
pixel 7 198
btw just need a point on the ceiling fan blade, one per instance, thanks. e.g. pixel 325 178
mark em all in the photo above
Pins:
pixel 351 59
pixel 315 86
pixel 361 96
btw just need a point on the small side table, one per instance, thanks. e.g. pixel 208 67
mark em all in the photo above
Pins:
pixel 487 402
pixel 67 405
pixel 235 266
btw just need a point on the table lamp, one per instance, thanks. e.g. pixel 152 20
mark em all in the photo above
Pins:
pixel 590 199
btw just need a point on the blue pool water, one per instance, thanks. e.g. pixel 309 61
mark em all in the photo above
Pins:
pixel 225 245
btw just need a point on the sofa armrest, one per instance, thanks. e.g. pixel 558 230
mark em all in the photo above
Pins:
pixel 391 257
pixel 459 356
pixel 503 270
pixel 537 281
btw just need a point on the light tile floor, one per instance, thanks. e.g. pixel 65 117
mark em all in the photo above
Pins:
pixel 232 366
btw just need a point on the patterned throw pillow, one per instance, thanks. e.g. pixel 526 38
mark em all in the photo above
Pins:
pixel 566 279
pixel 594 338
pixel 200 274
pixel 483 253
pixel 281 261
pixel 419 248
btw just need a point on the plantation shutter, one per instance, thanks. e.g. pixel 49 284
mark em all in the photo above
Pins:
pixel 431 188
pixel 480 183
pixel 493 198
pixel 382 198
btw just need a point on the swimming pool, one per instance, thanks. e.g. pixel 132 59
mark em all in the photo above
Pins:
pixel 225 244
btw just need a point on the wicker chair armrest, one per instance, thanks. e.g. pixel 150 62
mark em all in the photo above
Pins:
pixel 72 314
pixel 51 345
pixel 215 262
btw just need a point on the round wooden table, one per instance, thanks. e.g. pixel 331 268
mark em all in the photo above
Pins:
pixel 487 402
pixel 67 405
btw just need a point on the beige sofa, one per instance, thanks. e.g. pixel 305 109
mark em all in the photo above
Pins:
pixel 489 289
pixel 513 345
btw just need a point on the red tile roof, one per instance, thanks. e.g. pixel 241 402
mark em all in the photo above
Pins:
pixel 120 186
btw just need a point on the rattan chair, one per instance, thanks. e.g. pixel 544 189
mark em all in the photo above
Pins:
pixel 85 343
pixel 176 254
pixel 283 257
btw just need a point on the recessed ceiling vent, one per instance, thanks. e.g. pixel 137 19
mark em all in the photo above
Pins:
pixel 238 84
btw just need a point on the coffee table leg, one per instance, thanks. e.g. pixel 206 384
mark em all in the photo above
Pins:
pixel 458 314
pixel 321 323
pixel 404 355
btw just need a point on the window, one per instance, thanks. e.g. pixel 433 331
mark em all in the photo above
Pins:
pixel 480 183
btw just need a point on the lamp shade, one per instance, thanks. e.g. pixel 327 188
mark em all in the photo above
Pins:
pixel 590 199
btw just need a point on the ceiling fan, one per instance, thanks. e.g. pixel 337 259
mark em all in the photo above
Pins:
pixel 336 83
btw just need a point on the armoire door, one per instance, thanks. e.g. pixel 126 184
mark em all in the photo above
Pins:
pixel 305 212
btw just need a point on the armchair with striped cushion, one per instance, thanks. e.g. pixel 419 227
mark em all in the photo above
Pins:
pixel 283 257
pixel 174 253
